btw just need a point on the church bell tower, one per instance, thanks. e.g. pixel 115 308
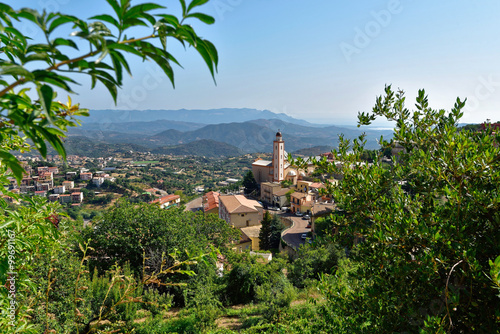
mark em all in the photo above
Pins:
pixel 278 158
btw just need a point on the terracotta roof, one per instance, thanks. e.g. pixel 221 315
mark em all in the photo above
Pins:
pixel 239 204
pixel 251 231
pixel 317 185
pixel 299 195
pixel 211 200
pixel 166 199
pixel 282 192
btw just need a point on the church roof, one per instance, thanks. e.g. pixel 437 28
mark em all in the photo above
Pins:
pixel 263 163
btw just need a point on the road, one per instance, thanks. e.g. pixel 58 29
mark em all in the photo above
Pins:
pixel 292 235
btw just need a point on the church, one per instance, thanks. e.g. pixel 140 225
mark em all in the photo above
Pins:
pixel 278 169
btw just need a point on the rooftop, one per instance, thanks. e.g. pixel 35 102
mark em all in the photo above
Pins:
pixel 239 204
pixel 251 231
pixel 211 200
pixel 264 163
pixel 166 199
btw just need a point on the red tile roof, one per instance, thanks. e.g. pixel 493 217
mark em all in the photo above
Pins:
pixel 166 199
pixel 211 200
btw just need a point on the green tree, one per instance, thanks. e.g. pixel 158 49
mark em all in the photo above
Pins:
pixel 429 226
pixel 270 233
pixel 128 233
pixel 249 183
pixel 265 231
pixel 276 228
pixel 313 261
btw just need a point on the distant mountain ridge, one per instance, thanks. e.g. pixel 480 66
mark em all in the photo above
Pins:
pixel 209 116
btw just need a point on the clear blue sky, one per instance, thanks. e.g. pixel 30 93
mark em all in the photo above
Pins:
pixel 323 61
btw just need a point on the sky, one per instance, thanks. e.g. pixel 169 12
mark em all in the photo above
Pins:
pixel 321 60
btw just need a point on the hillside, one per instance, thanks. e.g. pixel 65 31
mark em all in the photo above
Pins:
pixel 313 151
pixel 84 146
pixel 206 147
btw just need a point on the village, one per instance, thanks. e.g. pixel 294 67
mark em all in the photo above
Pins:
pixel 92 184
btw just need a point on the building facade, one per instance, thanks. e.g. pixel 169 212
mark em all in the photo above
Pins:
pixel 238 211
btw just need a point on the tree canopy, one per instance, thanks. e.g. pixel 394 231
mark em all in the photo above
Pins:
pixel 424 232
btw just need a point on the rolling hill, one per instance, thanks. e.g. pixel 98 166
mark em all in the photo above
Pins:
pixel 207 148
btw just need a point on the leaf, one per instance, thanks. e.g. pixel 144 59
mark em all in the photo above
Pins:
pixel 173 20
pixel 202 49
pixel 202 17
pixel 117 67
pixel 142 8
pixel 62 19
pixel 183 5
pixel 54 79
pixel 16 70
pixel 110 85
pixel 42 56
pixel 106 18
pixel 67 42
pixel 126 48
pixel 11 162
pixel 116 7
pixel 196 3
pixel 19 36
pixel 46 94
pixel 122 60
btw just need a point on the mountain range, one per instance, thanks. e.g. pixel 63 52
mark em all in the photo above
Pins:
pixel 210 116
pixel 238 137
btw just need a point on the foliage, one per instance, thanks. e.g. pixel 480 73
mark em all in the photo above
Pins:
pixel 26 232
pixel 128 233
pixel 277 293
pixel 495 274
pixel 265 231
pixel 270 232
pixel 323 226
pixel 289 195
pixel 428 226
pixel 243 277
pixel 313 261
pixel 249 183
